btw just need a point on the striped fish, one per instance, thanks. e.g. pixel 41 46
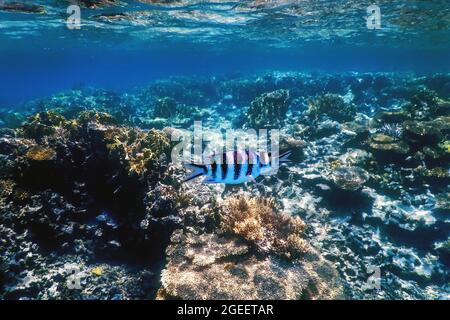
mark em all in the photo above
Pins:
pixel 235 167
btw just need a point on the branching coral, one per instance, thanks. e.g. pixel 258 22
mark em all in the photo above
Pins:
pixel 95 116
pixel 133 148
pixel 268 109
pixel 393 130
pixel 136 149
pixel 6 189
pixel 332 106
pixel 43 124
pixel 257 221
pixel 157 141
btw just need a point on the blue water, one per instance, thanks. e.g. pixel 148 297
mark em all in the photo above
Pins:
pixel 27 74
pixel 39 55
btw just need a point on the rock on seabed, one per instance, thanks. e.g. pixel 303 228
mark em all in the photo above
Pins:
pixel 89 194
pixel 209 266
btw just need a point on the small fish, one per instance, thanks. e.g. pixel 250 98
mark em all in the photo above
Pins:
pixel 235 167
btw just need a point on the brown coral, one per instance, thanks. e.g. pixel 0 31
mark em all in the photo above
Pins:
pixel 136 149
pixel 6 189
pixel 42 124
pixel 257 220
pixel 40 153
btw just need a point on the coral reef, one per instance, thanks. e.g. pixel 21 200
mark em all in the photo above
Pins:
pixel 168 111
pixel 137 151
pixel 422 106
pixel 39 153
pixel 249 242
pixel 209 266
pixel 393 130
pixel 384 146
pixel 269 109
pixel 59 180
pixel 91 206
pixel 43 124
pixel 256 220
pixel 332 106
pixel 350 178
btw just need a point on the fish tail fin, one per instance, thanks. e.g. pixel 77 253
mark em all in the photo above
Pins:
pixel 284 157
pixel 197 171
